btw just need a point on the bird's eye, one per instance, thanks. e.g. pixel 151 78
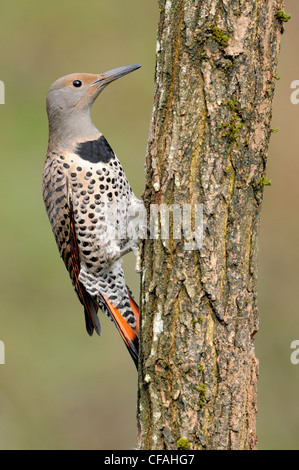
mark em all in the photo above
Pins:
pixel 77 83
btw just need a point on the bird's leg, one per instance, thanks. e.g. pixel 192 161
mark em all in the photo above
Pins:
pixel 129 247
pixel 132 246
pixel 135 247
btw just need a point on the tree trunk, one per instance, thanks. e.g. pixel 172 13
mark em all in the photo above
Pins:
pixel 209 136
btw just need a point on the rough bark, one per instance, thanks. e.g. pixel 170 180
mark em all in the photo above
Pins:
pixel 209 136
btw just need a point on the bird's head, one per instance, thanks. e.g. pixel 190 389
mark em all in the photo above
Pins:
pixel 70 98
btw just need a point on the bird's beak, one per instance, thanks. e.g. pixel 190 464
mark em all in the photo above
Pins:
pixel 101 82
pixel 108 77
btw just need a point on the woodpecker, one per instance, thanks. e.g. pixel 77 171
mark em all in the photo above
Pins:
pixel 90 204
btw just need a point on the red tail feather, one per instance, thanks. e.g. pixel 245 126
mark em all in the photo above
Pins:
pixel 128 334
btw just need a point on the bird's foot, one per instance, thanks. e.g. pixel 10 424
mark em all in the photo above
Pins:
pixel 137 252
pixel 135 247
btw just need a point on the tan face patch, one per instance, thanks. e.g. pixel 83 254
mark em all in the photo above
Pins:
pixel 86 91
pixel 86 79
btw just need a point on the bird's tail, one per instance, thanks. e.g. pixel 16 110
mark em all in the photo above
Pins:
pixel 129 335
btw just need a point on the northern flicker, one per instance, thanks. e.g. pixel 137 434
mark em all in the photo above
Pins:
pixel 88 199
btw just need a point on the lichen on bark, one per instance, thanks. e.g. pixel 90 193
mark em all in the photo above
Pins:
pixel 208 143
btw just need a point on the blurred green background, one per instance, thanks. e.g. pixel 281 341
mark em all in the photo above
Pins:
pixel 59 389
